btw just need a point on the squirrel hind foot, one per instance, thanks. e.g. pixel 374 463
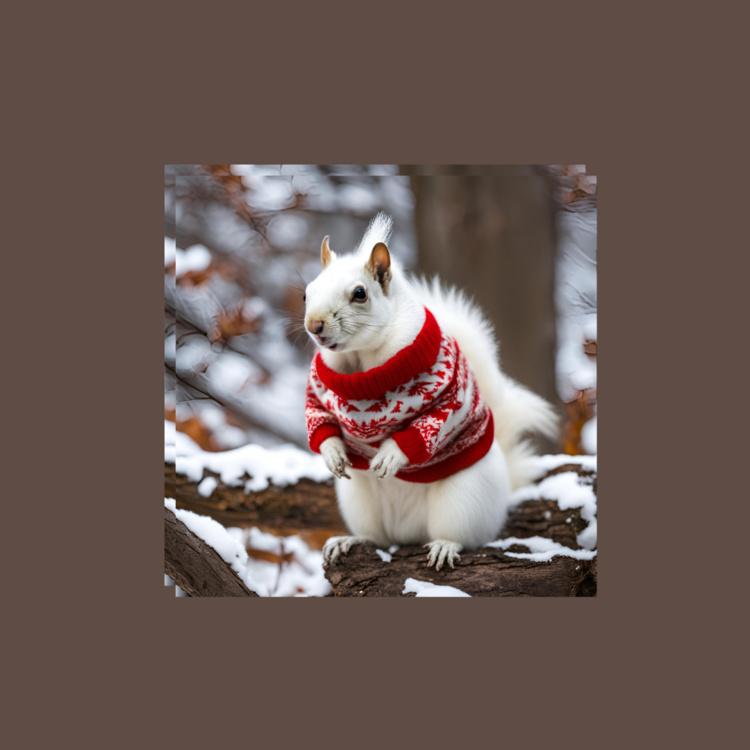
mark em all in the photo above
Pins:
pixel 336 546
pixel 442 551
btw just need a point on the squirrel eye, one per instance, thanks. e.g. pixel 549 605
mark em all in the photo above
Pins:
pixel 304 297
pixel 359 294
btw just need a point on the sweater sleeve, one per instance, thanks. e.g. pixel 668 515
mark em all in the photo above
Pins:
pixel 434 428
pixel 321 424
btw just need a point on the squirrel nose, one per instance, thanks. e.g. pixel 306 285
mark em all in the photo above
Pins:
pixel 315 326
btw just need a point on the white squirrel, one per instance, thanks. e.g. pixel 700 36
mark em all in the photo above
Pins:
pixel 361 310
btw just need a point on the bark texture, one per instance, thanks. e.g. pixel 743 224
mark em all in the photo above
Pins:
pixel 305 505
pixel 484 572
pixel 545 518
pixel 502 222
pixel 194 566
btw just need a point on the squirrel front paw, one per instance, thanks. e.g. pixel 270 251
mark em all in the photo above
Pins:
pixel 334 454
pixel 388 460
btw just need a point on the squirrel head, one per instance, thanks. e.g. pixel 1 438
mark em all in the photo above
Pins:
pixel 348 305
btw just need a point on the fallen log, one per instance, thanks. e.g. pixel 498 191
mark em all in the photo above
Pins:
pixel 309 505
pixel 195 566
pixel 487 571
pixel 484 572
pixel 304 505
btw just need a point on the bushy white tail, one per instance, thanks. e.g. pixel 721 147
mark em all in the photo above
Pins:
pixel 516 410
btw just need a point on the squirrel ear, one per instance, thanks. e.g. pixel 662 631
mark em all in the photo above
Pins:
pixel 379 264
pixel 326 254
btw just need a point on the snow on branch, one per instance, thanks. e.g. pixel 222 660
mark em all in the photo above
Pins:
pixel 547 547
pixel 284 488
pixel 197 566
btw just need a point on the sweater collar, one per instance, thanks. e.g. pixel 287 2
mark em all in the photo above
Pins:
pixel 402 367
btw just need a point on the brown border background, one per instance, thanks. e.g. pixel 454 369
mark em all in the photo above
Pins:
pixel 100 652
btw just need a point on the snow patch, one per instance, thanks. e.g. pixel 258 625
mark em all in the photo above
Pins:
pixel 588 436
pixel 170 248
pixel 216 536
pixel 301 576
pixel 280 466
pixel 567 490
pixel 425 588
pixel 231 373
pixel 170 441
pixel 384 556
pixel 195 258
pixel 207 486
pixel 541 549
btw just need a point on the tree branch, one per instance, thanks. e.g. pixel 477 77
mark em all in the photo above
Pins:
pixel 483 572
pixel 305 505
pixel 195 566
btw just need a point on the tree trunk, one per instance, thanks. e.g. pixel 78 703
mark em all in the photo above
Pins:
pixel 493 235
pixel 195 566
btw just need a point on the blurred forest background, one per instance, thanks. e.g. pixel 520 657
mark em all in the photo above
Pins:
pixel 241 242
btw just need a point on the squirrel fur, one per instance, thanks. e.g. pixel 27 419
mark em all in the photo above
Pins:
pixel 468 508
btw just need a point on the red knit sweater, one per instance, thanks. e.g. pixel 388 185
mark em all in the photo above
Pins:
pixel 425 397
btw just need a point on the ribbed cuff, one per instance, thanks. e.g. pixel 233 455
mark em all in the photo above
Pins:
pixel 322 433
pixel 455 463
pixel 411 443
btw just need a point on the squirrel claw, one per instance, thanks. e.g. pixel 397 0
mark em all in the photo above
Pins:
pixel 442 551
pixel 334 455
pixel 389 460
pixel 339 545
